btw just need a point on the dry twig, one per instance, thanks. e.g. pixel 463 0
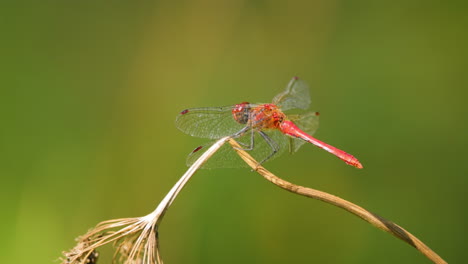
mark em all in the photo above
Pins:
pixel 372 218
pixel 136 239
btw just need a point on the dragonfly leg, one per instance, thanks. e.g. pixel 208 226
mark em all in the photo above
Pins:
pixel 250 146
pixel 274 146
pixel 241 132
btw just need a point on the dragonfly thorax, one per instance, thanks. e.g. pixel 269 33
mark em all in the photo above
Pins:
pixel 266 116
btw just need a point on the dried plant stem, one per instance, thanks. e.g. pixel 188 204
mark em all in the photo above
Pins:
pixel 372 218
pixel 136 241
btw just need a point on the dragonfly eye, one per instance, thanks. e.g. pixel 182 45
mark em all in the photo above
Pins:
pixel 241 112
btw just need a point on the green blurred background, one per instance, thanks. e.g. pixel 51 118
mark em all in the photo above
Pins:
pixel 90 92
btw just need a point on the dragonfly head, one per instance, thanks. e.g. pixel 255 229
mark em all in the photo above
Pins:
pixel 241 112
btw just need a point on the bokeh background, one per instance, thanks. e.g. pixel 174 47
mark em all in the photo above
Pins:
pixel 90 91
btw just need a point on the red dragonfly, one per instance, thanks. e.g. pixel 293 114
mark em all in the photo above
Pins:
pixel 260 128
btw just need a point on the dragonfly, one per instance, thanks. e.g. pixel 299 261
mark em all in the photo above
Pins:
pixel 265 130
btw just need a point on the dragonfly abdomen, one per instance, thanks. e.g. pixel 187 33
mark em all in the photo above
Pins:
pixel 289 128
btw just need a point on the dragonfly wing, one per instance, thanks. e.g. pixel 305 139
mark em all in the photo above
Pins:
pixel 309 123
pixel 209 122
pixel 296 95
pixel 226 156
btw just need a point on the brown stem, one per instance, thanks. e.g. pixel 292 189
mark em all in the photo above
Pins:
pixel 372 218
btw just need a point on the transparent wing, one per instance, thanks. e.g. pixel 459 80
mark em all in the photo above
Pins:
pixel 309 123
pixel 296 95
pixel 226 157
pixel 208 122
